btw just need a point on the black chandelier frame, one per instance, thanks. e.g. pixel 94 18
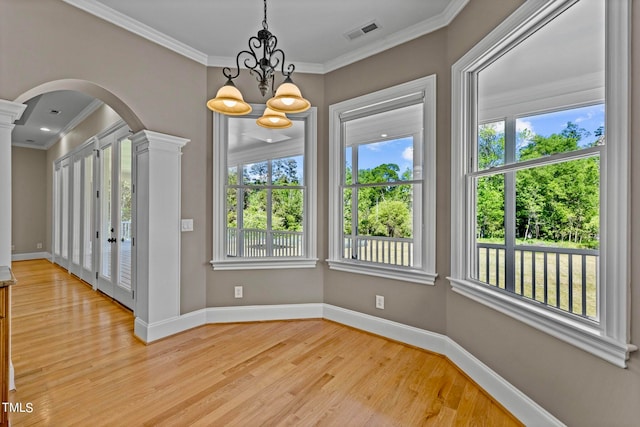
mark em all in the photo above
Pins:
pixel 262 69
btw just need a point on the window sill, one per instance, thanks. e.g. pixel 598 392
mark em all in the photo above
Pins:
pixel 415 276
pixel 585 336
pixel 263 264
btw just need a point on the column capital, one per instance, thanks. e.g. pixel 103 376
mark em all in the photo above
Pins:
pixel 155 140
pixel 10 112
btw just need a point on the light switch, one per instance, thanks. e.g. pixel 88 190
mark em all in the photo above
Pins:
pixel 187 225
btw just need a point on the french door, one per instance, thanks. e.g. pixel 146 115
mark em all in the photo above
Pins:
pixel 61 213
pixel 115 213
pixel 93 208
pixel 82 213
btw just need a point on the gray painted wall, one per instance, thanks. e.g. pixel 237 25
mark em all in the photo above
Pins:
pixel 168 93
pixel 28 200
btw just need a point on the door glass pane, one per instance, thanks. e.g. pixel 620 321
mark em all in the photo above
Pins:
pixel 88 213
pixel 105 213
pixel 77 180
pixel 64 189
pixel 57 205
pixel 125 214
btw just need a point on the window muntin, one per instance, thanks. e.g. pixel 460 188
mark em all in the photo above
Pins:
pixel 382 180
pixel 264 190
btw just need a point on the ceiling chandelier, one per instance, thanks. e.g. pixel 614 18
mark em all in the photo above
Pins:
pixel 287 98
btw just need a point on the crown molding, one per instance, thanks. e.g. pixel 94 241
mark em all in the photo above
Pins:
pixel 123 21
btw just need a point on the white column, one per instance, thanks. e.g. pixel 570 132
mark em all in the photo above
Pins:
pixel 9 113
pixel 157 232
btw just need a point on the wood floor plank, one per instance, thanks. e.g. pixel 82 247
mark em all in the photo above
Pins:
pixel 78 363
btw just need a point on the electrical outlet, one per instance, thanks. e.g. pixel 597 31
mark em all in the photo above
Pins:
pixel 187 225
pixel 238 291
pixel 380 302
pixel 39 246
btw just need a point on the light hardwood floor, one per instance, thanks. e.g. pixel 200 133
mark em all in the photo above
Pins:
pixel 77 363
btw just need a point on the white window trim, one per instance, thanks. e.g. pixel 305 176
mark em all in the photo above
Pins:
pixel 427 274
pixel 609 339
pixel 220 261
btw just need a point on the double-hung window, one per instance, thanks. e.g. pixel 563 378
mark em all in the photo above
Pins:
pixel 264 193
pixel 382 181
pixel 540 133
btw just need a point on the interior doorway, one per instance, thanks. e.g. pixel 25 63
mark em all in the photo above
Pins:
pixel 93 213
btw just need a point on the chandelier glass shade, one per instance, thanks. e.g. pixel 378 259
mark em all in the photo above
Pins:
pixel 274 119
pixel 286 99
pixel 229 99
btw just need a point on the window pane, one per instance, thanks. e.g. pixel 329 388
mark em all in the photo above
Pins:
pixel 287 223
pixel 255 173
pixel 232 207
pixel 348 166
pixel 288 171
pixel 254 213
pixel 385 225
pixel 287 210
pixel 385 211
pixel 559 132
pixel 490 209
pixel 346 209
pixel 232 175
pixel 385 161
pixel 490 231
pixel 490 145
pixel 559 204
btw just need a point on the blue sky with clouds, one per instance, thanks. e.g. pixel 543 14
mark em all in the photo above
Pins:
pixel 398 151
pixel 589 118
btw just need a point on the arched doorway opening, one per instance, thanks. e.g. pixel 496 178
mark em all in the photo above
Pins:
pixel 88 214
pixel 157 199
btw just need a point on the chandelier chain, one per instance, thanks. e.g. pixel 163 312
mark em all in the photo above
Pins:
pixel 264 21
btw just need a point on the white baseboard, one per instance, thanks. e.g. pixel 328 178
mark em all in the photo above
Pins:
pixel 248 313
pixel 149 332
pixel 387 328
pixel 516 402
pixel 260 313
pixel 30 256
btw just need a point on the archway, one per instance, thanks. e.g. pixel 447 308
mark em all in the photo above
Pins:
pixel 89 88
pixel 158 194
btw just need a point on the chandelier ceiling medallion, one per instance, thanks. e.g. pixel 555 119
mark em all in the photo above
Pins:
pixel 287 98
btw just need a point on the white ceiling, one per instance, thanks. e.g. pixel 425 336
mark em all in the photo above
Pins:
pixel 312 34
pixel 58 111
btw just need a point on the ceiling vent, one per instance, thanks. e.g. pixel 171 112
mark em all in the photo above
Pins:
pixel 362 30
